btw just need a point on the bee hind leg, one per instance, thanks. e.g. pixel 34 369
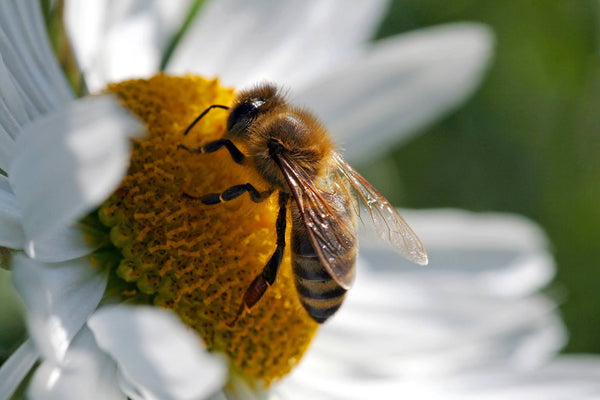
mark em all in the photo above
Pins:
pixel 266 278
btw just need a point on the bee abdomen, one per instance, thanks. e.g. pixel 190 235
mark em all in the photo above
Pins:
pixel 319 289
pixel 320 295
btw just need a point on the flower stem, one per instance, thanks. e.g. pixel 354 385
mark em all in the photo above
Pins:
pixel 194 9
pixel 54 17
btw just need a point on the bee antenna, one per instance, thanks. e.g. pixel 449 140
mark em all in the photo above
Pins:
pixel 189 128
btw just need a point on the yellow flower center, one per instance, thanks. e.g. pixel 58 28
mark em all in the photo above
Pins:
pixel 195 259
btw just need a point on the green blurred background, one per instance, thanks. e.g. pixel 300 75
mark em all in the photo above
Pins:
pixel 527 142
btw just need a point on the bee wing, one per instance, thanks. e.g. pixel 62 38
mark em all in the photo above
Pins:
pixel 388 223
pixel 330 226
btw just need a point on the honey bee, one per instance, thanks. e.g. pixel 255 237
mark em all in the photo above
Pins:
pixel 295 156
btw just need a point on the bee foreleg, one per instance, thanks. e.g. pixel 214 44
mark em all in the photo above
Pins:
pixel 213 146
pixel 259 285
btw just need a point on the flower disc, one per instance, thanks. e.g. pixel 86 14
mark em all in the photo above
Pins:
pixel 195 259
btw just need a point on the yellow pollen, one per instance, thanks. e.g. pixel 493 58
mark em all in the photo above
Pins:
pixel 195 259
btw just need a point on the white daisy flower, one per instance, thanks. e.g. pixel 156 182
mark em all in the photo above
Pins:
pixel 396 85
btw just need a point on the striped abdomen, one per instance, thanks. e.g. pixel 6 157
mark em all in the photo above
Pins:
pixel 319 293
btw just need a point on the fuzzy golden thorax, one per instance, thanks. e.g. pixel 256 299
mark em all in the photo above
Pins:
pixel 261 117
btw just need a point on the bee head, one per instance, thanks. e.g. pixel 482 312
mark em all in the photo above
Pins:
pixel 250 105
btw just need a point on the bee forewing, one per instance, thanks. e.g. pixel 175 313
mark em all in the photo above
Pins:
pixel 388 223
pixel 391 227
pixel 325 217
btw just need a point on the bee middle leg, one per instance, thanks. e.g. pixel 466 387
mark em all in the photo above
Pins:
pixel 266 278
pixel 232 193
pixel 215 145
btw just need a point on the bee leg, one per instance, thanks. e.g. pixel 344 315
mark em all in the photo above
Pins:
pixel 211 147
pixel 235 192
pixel 259 285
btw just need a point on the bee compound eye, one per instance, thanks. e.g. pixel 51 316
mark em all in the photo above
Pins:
pixel 244 113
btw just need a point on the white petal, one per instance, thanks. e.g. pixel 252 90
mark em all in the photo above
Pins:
pixel 85 373
pixel 222 396
pixel 115 39
pixel 68 162
pixel 29 56
pixel 30 97
pixel 424 335
pixel 66 244
pixel 11 230
pixel 14 370
pixel 85 22
pixel 14 109
pixel 452 228
pixel 399 86
pixel 239 388
pixel 132 58
pixel 5 184
pixel 471 308
pixel 491 254
pixel 169 16
pixel 568 377
pixel 158 357
pixel 295 39
pixel 59 298
pixel 7 145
